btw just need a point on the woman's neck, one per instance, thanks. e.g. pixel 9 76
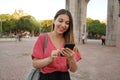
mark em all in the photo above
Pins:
pixel 54 34
pixel 57 39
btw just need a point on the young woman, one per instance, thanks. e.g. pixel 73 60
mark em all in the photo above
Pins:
pixel 52 65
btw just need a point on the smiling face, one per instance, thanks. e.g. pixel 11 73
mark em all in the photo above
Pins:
pixel 61 23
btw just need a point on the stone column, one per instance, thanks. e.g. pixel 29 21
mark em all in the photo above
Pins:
pixel 113 23
pixel 118 25
pixel 78 10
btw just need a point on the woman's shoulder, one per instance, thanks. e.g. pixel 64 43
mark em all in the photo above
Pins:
pixel 41 35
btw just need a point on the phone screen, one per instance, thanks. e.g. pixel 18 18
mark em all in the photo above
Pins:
pixel 69 45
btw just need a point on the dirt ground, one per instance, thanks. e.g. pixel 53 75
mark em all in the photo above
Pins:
pixel 98 62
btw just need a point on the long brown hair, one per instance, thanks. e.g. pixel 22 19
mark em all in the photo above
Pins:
pixel 68 35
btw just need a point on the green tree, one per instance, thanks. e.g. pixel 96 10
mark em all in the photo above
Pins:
pixel 8 23
pixel 45 25
pixel 28 23
pixel 95 28
pixel 89 20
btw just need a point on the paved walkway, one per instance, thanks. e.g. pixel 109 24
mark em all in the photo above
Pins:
pixel 98 62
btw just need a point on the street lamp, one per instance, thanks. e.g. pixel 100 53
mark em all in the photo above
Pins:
pixel 1 26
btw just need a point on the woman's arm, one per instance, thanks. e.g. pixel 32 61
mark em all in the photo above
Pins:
pixel 70 59
pixel 72 64
pixel 39 63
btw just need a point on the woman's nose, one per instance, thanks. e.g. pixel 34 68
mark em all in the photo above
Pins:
pixel 63 24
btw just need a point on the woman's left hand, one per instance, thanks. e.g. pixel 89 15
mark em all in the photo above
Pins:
pixel 68 53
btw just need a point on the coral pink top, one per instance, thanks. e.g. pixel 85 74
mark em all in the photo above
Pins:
pixel 103 37
pixel 60 64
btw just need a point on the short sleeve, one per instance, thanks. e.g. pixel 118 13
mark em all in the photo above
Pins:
pixel 77 56
pixel 38 47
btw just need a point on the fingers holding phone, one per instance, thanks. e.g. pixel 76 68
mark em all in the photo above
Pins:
pixel 69 45
pixel 66 52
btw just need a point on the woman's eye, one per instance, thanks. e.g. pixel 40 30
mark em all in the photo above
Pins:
pixel 67 23
pixel 60 21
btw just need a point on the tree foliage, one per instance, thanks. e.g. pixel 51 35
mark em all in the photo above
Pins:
pixel 27 23
pixel 8 23
pixel 45 25
pixel 24 23
pixel 95 28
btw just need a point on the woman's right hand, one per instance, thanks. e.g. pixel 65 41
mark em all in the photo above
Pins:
pixel 55 54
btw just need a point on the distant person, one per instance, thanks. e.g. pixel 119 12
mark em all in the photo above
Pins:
pixel 52 65
pixel 83 38
pixel 19 36
pixel 103 38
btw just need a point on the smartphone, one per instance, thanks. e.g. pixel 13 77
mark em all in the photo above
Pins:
pixel 69 45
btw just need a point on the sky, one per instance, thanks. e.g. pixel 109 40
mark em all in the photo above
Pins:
pixel 46 9
pixel 97 9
